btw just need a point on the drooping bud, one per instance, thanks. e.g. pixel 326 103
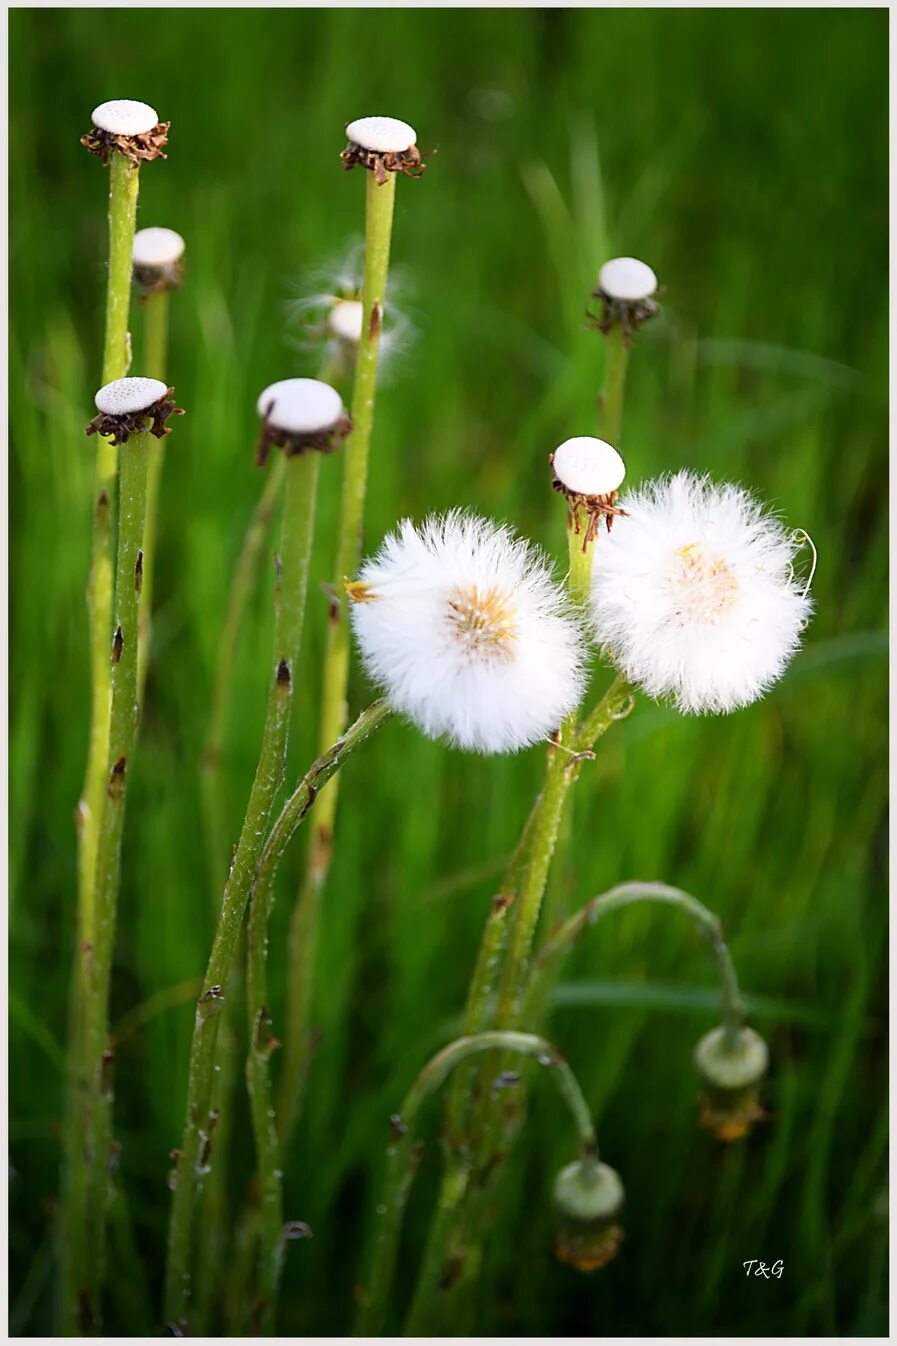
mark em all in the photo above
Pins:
pixel 589 473
pixel 589 1198
pixel 300 415
pixel 627 289
pixel 731 1073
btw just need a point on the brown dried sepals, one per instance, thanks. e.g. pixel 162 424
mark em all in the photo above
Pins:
pixel 144 146
pixel 150 280
pixel 629 313
pixel 587 511
pixel 120 428
pixel 588 1246
pixel 324 441
pixel 381 165
pixel 729 1114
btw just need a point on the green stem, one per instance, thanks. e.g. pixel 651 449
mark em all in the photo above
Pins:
pixel 624 895
pixel 451 1194
pixel 155 366
pixel 402 1154
pixel 616 360
pixel 261 1043
pixel 380 201
pixel 96 1063
pixel 193 1161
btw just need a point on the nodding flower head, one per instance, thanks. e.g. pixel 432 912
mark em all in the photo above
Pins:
pixel 130 406
pixel 157 260
pixel 627 290
pixel 695 596
pixel 383 145
pixel 731 1072
pixel 331 316
pixel 131 128
pixel 299 415
pixel 463 626
pixel 589 473
pixel 589 1198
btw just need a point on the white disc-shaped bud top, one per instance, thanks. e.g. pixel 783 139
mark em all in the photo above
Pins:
pixel 381 135
pixel 587 466
pixel 301 406
pixel 157 247
pixel 627 279
pixel 125 117
pixel 344 319
pixel 123 397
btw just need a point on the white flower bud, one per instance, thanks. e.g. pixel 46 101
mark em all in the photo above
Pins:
pixel 124 397
pixel 125 117
pixel 301 406
pixel 588 467
pixel 157 247
pixel 627 279
pixel 381 135
pixel 344 320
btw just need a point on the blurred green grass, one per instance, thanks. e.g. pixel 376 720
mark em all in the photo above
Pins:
pixel 743 153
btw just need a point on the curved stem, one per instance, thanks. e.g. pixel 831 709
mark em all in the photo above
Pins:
pixel 155 366
pixel 194 1159
pixel 261 1042
pixel 401 1156
pixel 380 202
pixel 624 895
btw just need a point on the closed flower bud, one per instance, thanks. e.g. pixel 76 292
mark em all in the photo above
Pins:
pixel 731 1073
pixel 589 1197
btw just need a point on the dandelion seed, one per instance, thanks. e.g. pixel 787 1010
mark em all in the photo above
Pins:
pixel 461 623
pixel 694 594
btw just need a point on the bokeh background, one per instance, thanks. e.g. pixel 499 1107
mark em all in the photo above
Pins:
pixel 743 154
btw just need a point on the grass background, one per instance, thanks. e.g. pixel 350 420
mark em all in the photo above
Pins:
pixel 743 153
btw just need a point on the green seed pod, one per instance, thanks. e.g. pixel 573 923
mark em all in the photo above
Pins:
pixel 731 1075
pixel 589 1196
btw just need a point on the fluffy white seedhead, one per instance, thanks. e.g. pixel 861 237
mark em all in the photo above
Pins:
pixel 301 406
pixel 125 117
pixel 587 466
pixel 157 247
pixel 694 594
pixel 463 626
pixel 124 396
pixel 381 135
pixel 627 279
pixel 344 320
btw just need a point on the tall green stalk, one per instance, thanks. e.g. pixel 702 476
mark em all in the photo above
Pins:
pixel 86 1223
pixel 195 1153
pixel 155 365
pixel 380 201
pixel 616 361
pixel 261 1043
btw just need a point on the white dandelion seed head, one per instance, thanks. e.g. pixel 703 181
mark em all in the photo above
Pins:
pixel 344 320
pixel 694 594
pixel 156 246
pixel 463 626
pixel 587 466
pixel 381 135
pixel 627 279
pixel 301 406
pixel 125 396
pixel 125 117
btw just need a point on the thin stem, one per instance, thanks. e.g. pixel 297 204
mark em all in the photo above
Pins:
pixel 261 1042
pixel 401 1156
pixel 96 1064
pixel 380 201
pixel 451 1194
pixel 616 360
pixel 624 895
pixel 194 1159
pixel 155 366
